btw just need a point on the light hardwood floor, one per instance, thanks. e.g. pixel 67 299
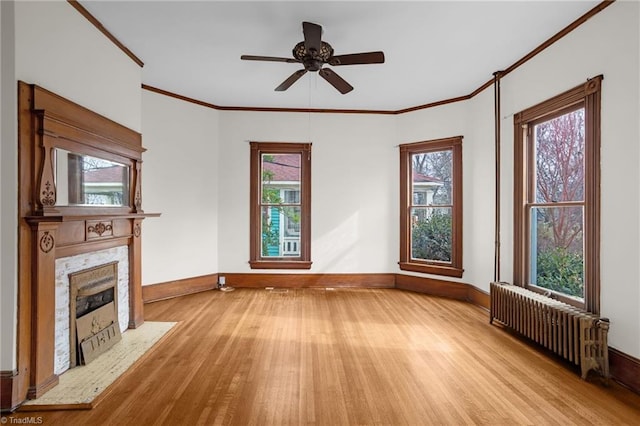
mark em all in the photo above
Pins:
pixel 345 357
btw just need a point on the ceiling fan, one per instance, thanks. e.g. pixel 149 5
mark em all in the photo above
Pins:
pixel 313 53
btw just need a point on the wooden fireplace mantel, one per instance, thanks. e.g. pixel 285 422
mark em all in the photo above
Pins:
pixel 48 230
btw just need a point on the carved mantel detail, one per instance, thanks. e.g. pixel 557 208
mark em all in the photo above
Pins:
pixel 48 195
pixel 137 230
pixel 99 228
pixel 47 242
pixel 137 200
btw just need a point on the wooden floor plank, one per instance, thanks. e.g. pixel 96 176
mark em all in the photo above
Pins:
pixel 343 357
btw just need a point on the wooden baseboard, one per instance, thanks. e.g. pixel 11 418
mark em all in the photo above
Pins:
pixel 43 387
pixel 450 289
pixel 625 369
pixel 259 280
pixel 478 297
pixel 433 286
pixel 7 394
pixel 169 289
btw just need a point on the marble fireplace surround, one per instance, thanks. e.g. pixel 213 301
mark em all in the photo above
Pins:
pixel 73 264
pixel 50 233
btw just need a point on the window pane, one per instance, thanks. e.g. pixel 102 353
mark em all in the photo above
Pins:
pixel 279 171
pixel 559 167
pixel 291 196
pixel 557 249
pixel 431 180
pixel 280 231
pixel 291 217
pixel 431 231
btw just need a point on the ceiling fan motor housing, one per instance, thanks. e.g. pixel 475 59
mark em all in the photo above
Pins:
pixel 311 59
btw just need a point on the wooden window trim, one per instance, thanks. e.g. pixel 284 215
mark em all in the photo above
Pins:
pixel 406 263
pixel 588 94
pixel 257 261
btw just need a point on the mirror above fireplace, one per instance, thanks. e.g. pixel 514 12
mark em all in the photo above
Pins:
pixel 85 180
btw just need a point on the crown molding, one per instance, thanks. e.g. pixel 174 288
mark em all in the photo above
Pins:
pixel 543 46
pixel 92 19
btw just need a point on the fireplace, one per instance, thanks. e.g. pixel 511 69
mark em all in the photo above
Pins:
pixel 93 312
pixel 56 236
pixel 73 269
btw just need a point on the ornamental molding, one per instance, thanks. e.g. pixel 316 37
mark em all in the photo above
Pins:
pixel 100 228
pixel 47 242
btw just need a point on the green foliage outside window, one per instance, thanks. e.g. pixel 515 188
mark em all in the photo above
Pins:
pixel 561 270
pixel 431 237
pixel 270 195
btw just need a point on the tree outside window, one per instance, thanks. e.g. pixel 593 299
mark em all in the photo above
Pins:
pixel 557 213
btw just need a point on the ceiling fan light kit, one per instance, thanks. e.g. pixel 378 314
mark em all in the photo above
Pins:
pixel 313 53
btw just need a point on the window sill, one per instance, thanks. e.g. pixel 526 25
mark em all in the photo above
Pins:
pixel 280 264
pixel 448 271
pixel 558 296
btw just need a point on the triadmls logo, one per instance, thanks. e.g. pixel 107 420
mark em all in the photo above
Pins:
pixel 32 420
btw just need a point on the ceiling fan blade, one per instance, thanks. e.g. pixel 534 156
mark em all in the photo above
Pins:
pixel 312 36
pixel 357 59
pixel 267 58
pixel 289 81
pixel 335 80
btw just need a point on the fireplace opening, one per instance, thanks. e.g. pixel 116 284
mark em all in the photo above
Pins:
pixel 93 313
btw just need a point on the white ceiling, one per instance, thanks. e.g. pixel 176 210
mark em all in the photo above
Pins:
pixel 434 50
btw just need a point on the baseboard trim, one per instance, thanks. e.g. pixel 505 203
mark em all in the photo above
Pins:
pixel 43 387
pixel 7 394
pixel 432 286
pixel 170 289
pixel 444 288
pixel 625 369
pixel 478 297
pixel 309 280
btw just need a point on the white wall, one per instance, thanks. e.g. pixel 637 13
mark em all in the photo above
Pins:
pixel 354 187
pixel 58 49
pixel 8 189
pixel 607 44
pixel 180 181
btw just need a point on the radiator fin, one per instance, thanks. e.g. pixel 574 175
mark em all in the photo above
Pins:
pixel 572 333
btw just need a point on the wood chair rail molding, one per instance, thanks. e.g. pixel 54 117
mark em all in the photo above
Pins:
pixel 48 231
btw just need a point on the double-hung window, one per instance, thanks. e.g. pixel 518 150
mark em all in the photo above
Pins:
pixel 557 196
pixel 280 193
pixel 431 207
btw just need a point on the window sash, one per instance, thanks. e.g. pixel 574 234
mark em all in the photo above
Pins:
pixel 408 189
pixel 586 95
pixel 280 248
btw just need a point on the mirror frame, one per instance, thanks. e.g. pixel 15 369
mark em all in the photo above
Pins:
pixel 65 129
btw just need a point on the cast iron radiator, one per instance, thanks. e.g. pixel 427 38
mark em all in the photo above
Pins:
pixel 572 333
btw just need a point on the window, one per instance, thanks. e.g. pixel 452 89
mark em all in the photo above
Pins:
pixel 280 205
pixel 557 194
pixel 431 207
